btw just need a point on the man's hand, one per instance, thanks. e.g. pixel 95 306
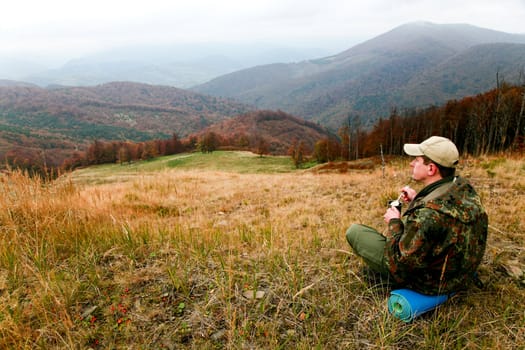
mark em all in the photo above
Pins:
pixel 408 194
pixel 391 213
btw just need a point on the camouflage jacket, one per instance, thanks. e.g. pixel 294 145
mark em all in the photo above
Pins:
pixel 439 241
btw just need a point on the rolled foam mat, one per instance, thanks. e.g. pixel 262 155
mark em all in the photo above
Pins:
pixel 407 304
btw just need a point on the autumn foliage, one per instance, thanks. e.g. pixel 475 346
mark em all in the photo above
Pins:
pixel 121 152
pixel 265 132
pixel 484 124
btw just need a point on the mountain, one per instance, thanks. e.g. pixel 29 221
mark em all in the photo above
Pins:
pixel 61 120
pixel 182 65
pixel 412 65
pixel 481 66
pixel 89 72
pixel 278 129
pixel 6 82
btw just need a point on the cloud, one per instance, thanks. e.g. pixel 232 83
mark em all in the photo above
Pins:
pixel 75 28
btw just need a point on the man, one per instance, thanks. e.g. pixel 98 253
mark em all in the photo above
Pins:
pixel 438 243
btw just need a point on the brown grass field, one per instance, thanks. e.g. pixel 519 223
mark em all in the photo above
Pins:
pixel 206 259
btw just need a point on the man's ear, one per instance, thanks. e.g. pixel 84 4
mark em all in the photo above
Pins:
pixel 432 169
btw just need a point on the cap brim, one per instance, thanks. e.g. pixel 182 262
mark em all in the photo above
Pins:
pixel 412 149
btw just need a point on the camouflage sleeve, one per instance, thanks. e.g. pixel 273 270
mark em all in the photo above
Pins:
pixel 409 241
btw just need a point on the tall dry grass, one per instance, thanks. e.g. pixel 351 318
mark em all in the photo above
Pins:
pixel 187 259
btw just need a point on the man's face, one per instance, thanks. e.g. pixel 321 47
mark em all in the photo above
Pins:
pixel 419 169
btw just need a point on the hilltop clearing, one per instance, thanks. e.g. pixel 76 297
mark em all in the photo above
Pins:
pixel 183 258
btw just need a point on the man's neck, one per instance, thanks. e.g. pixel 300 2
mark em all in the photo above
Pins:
pixel 432 179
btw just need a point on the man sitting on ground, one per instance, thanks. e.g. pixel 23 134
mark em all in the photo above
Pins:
pixel 438 243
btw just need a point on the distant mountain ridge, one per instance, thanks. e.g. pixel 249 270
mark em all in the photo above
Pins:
pixel 395 69
pixel 62 120
pixel 156 110
pixel 7 82
pixel 179 65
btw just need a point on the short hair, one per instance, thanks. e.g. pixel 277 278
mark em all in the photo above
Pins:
pixel 443 171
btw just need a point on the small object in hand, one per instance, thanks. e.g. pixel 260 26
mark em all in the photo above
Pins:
pixel 396 204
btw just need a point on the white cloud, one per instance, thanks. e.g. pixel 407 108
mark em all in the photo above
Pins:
pixel 77 27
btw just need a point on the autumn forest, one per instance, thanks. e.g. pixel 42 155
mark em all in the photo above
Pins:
pixel 488 123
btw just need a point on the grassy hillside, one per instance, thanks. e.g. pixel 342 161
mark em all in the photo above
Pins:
pixel 237 162
pixel 171 257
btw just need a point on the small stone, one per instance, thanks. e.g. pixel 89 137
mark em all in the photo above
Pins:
pixel 251 294
pixel 514 270
pixel 88 312
pixel 218 335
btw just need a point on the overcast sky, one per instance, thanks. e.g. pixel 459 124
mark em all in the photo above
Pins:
pixel 74 28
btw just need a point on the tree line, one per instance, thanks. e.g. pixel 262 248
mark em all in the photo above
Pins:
pixel 488 123
pixel 126 152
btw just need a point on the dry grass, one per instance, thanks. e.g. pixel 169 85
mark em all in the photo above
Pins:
pixel 203 259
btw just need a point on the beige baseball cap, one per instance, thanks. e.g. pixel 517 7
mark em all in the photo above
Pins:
pixel 439 149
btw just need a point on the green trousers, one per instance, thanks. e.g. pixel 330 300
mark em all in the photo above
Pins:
pixel 369 245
